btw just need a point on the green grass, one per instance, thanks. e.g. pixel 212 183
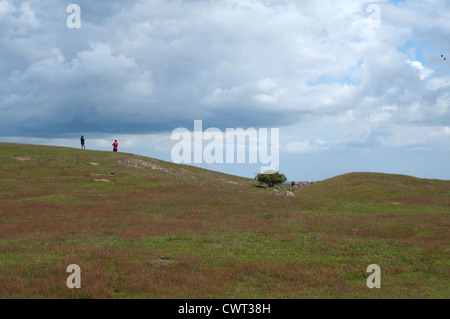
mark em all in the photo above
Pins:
pixel 160 230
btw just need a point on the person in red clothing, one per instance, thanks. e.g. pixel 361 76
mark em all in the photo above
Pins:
pixel 116 146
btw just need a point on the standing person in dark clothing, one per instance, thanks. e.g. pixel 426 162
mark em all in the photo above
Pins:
pixel 82 142
pixel 116 146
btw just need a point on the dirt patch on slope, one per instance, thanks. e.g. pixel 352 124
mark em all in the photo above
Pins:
pixel 102 180
pixel 22 158
pixel 178 173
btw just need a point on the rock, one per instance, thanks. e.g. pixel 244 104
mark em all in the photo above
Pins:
pixel 289 194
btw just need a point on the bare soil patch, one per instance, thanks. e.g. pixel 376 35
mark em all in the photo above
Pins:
pixel 102 180
pixel 22 158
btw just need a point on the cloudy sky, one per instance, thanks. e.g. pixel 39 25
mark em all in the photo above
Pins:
pixel 346 94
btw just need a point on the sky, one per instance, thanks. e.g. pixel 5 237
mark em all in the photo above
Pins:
pixel 352 86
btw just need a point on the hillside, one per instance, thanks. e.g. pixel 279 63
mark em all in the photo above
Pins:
pixel 381 188
pixel 141 227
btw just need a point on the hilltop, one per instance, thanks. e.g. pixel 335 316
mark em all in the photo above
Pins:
pixel 380 187
pixel 141 227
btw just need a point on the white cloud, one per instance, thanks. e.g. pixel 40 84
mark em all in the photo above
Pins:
pixel 383 114
pixel 152 66
pixel 438 83
pixel 423 71
pixel 417 137
pixel 306 146
pixel 18 19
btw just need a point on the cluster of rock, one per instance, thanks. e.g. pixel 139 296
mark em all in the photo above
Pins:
pixel 276 192
pixel 292 188
pixel 297 185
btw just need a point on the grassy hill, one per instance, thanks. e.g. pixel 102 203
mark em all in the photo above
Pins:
pixel 382 188
pixel 143 228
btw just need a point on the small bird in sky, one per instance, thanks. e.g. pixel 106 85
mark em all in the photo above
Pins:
pixel 445 58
